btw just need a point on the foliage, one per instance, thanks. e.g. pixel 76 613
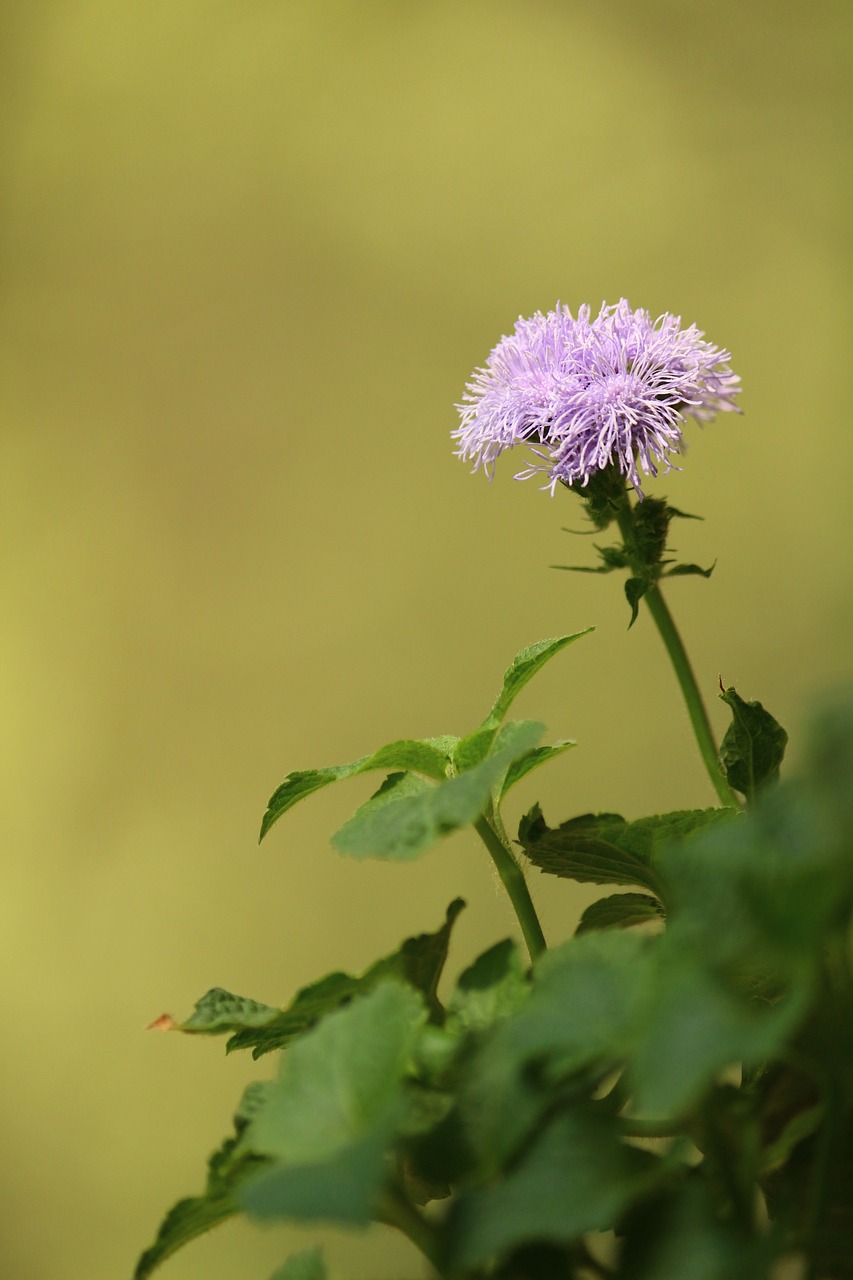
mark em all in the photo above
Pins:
pixel 666 1095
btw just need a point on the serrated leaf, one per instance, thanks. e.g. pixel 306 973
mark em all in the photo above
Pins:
pixel 307 1265
pixel 401 827
pixel 754 746
pixel 427 756
pixel 330 1116
pixel 524 667
pixel 604 848
pixel 620 911
pixel 219 1011
pixel 228 1169
pixel 576 1177
pixel 418 961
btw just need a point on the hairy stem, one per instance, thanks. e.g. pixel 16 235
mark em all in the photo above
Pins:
pixel 512 878
pixel 674 645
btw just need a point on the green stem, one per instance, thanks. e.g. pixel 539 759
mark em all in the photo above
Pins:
pixel 512 878
pixel 396 1210
pixel 674 645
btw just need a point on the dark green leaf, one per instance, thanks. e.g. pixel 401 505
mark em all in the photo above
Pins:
pixel 753 747
pixel 635 589
pixel 402 828
pixel 418 962
pixel 228 1169
pixel 650 527
pixel 688 570
pixel 604 848
pixel 307 1265
pixel 680 1237
pixel 620 911
pixel 577 1177
pixel 428 756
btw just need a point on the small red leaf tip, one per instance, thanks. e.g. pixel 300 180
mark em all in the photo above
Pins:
pixel 164 1023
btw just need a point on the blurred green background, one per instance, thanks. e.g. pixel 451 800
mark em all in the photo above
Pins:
pixel 251 252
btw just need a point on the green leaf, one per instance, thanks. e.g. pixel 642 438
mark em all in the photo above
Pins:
pixel 428 756
pixel 532 760
pixel 401 826
pixel 604 848
pixel 688 570
pixel 418 961
pixel 576 1177
pixel 228 1169
pixel 307 1265
pixel 635 589
pixel 219 1012
pixel 524 667
pixel 330 1116
pixel 680 1237
pixel 753 747
pixel 493 987
pixel 582 1015
pixel 697 1022
pixel 620 911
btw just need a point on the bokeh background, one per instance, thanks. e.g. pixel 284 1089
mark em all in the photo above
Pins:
pixel 250 253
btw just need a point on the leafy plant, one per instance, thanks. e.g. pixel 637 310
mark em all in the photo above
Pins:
pixel 666 1095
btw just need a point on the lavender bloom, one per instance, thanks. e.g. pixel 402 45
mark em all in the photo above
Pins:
pixel 585 394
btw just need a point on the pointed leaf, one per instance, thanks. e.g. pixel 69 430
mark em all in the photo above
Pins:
pixel 401 827
pixel 428 756
pixel 418 961
pixel 635 589
pixel 219 1011
pixel 687 570
pixel 620 911
pixel 753 747
pixel 523 668
pixel 532 760
pixel 307 1265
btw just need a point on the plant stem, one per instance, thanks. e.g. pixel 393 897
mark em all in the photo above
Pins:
pixel 674 645
pixel 396 1210
pixel 513 881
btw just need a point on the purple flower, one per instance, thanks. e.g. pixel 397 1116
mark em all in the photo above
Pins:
pixel 586 394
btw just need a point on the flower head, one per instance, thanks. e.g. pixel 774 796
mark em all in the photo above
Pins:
pixel 585 394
